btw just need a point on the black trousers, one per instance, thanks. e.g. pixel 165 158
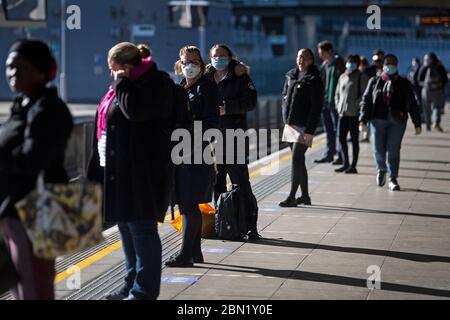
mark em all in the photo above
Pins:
pixel 299 175
pixel 192 231
pixel 239 175
pixel 346 125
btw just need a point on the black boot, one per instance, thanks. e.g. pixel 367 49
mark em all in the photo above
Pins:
pixel 289 202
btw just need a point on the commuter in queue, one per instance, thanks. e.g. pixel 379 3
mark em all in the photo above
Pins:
pixel 432 79
pixel 131 157
pixel 238 96
pixel 331 69
pixel 385 104
pixel 302 105
pixel 32 141
pixel 195 181
pixel 350 88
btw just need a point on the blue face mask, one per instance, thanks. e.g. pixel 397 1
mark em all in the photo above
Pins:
pixel 220 63
pixel 351 66
pixel 390 69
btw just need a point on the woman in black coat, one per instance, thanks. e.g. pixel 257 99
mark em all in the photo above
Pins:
pixel 238 96
pixel 302 105
pixel 195 178
pixel 33 140
pixel 131 156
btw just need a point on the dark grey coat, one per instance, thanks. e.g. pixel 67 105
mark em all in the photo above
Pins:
pixel 195 182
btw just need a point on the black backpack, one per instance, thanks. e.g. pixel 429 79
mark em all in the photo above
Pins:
pixel 230 216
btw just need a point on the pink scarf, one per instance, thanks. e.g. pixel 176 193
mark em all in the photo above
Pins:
pixel 107 100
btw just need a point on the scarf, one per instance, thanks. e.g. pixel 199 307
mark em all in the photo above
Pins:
pixel 388 88
pixel 108 99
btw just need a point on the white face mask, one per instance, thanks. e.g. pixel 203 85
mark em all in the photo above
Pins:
pixel 191 71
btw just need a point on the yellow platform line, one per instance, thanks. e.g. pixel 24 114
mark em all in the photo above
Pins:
pixel 118 244
pixel 88 261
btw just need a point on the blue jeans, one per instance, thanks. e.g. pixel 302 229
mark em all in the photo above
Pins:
pixel 387 138
pixel 142 248
pixel 330 119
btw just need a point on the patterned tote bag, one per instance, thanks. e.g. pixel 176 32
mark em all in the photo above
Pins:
pixel 62 219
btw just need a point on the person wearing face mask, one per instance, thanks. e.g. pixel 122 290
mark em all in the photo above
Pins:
pixel 302 102
pixel 32 141
pixel 432 80
pixel 238 95
pixel 386 103
pixel 349 90
pixel 194 182
pixel 131 157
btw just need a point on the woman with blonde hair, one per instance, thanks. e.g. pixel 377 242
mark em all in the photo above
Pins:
pixel 131 157
pixel 194 182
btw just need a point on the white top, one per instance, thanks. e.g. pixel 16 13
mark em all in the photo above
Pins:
pixel 102 149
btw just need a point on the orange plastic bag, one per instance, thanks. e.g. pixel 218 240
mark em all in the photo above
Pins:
pixel 208 220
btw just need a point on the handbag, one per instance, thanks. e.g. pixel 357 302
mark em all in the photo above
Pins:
pixel 208 220
pixel 8 274
pixel 62 218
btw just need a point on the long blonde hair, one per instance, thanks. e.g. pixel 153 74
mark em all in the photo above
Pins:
pixel 128 53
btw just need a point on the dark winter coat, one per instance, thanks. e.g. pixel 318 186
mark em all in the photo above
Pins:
pixel 441 74
pixel 237 93
pixel 303 99
pixel 137 178
pixel 195 182
pixel 403 102
pixel 32 140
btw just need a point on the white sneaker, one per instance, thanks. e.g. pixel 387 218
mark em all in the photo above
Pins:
pixel 393 185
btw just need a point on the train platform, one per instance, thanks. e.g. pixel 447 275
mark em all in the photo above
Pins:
pixel 357 241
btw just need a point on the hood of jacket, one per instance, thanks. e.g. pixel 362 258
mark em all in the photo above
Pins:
pixel 235 67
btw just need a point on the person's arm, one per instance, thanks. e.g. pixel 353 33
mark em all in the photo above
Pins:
pixel 367 102
pixel 210 105
pixel 247 99
pixel 317 99
pixel 142 101
pixel 421 76
pixel 337 93
pixel 285 88
pixel 443 74
pixel 340 67
pixel 364 80
pixel 45 135
pixel 93 168
pixel 413 107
